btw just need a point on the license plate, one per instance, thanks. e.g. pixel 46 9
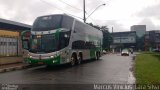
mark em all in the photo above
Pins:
pixel 40 63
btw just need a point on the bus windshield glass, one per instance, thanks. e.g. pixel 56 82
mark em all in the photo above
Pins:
pixel 47 23
pixel 43 43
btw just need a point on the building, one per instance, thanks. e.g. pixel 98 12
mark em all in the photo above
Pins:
pixel 10 42
pixel 137 38
pixel 140 30
pixel 123 40
pixel 140 33
pixel 13 26
pixel 152 40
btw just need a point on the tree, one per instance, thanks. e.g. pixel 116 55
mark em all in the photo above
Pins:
pixel 107 39
pixel 95 26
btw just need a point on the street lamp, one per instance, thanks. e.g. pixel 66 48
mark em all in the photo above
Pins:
pixel 91 12
pixel 95 10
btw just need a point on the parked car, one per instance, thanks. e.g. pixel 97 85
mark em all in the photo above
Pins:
pixel 104 52
pixel 156 50
pixel 125 52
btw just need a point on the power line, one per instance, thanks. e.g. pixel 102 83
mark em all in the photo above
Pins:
pixel 70 5
pixel 102 1
pixel 60 9
pixel 93 20
pixel 66 11
pixel 108 1
pixel 52 5
pixel 74 16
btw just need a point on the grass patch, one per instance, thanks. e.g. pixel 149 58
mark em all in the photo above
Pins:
pixel 147 68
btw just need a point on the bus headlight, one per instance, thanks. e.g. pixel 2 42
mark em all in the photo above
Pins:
pixel 51 56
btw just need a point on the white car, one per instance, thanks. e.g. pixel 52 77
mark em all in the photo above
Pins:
pixel 125 52
pixel 104 52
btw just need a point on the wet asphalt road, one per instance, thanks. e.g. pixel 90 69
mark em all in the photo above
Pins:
pixel 111 69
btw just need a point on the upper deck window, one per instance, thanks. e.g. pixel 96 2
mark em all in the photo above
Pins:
pixel 47 23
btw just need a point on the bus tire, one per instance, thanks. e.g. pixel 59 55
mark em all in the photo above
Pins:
pixel 80 58
pixel 73 60
pixel 97 56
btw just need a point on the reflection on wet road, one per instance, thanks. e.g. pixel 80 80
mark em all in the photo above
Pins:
pixel 111 69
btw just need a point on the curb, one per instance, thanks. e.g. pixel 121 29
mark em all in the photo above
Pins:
pixel 15 68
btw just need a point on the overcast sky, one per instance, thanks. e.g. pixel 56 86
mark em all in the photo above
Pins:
pixel 119 14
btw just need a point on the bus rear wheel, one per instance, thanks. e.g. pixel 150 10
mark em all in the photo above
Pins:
pixel 79 60
pixel 73 60
pixel 97 55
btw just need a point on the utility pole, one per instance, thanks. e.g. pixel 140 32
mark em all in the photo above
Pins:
pixel 84 10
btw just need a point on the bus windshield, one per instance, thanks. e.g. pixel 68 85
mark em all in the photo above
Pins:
pixel 47 23
pixel 43 43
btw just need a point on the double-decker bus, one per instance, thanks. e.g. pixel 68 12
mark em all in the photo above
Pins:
pixel 60 39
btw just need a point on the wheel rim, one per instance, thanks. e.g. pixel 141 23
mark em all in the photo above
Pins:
pixel 79 60
pixel 72 61
pixel 97 56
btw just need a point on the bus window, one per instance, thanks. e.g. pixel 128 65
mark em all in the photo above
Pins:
pixel 64 39
pixel 25 45
pixel 78 44
pixel 25 37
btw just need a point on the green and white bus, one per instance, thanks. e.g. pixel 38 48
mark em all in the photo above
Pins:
pixel 60 39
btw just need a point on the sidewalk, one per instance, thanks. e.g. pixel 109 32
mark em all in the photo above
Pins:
pixel 11 64
pixel 10 60
pixel 12 67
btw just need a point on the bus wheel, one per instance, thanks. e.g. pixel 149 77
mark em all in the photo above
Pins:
pixel 79 59
pixel 73 60
pixel 97 56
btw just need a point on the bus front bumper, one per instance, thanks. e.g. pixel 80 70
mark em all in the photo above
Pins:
pixel 49 61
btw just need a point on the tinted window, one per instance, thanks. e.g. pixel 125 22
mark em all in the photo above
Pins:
pixel 82 45
pixel 45 43
pixel 78 45
pixel 47 23
pixel 25 44
pixel 64 39
pixel 89 45
pixel 67 22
